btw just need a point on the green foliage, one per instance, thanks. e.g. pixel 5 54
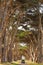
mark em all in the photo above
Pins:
pixel 22 34
pixel 34 1
pixel 14 64
pixel 23 48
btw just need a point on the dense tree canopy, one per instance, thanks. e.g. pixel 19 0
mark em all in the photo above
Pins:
pixel 21 21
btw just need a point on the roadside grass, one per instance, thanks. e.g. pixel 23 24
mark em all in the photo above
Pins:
pixel 19 62
pixel 36 64
pixel 30 64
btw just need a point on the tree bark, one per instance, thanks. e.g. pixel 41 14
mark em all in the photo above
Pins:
pixel 40 40
pixel 0 49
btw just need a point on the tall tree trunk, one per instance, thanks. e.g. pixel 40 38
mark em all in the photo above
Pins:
pixel 4 48
pixel 41 45
pixel 0 49
pixel 40 40
pixel 10 49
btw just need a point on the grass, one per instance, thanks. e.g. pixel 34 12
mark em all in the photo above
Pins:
pixel 18 64
pixel 27 62
pixel 30 64
pixel 8 63
pixel 19 61
pixel 36 64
